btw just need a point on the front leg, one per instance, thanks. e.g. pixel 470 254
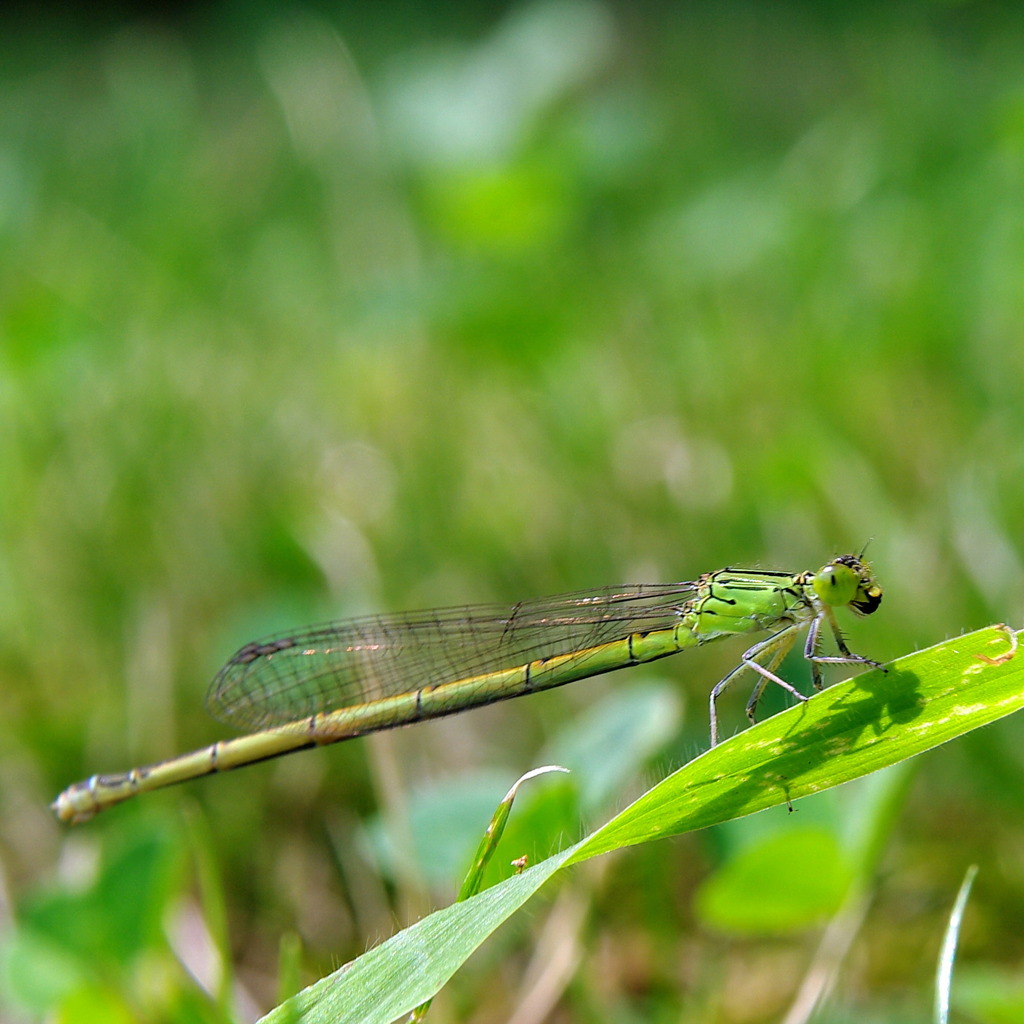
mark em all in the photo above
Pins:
pixel 845 656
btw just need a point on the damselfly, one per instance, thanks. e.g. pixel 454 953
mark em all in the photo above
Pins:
pixel 328 683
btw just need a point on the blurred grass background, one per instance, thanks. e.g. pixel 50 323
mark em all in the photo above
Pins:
pixel 313 311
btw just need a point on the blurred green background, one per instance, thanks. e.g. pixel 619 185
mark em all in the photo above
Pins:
pixel 314 311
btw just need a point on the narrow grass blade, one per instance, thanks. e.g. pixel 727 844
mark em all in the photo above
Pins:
pixel 489 843
pixel 944 976
pixel 485 851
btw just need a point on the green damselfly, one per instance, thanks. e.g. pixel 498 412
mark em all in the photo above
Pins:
pixel 328 683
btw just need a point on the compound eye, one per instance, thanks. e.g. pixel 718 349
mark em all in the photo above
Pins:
pixel 836 584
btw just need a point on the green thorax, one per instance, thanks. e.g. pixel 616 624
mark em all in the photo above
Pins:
pixel 746 601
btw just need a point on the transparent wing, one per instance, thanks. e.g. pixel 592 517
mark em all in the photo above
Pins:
pixel 324 668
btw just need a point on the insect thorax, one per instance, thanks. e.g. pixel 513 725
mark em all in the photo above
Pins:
pixel 746 601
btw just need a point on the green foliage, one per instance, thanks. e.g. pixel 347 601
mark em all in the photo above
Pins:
pixel 90 951
pixel 781 883
pixel 304 315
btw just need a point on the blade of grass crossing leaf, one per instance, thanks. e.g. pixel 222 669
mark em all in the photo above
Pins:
pixel 495 830
pixel 484 853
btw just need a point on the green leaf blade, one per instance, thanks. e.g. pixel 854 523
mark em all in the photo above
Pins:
pixel 875 720
pixel 412 966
